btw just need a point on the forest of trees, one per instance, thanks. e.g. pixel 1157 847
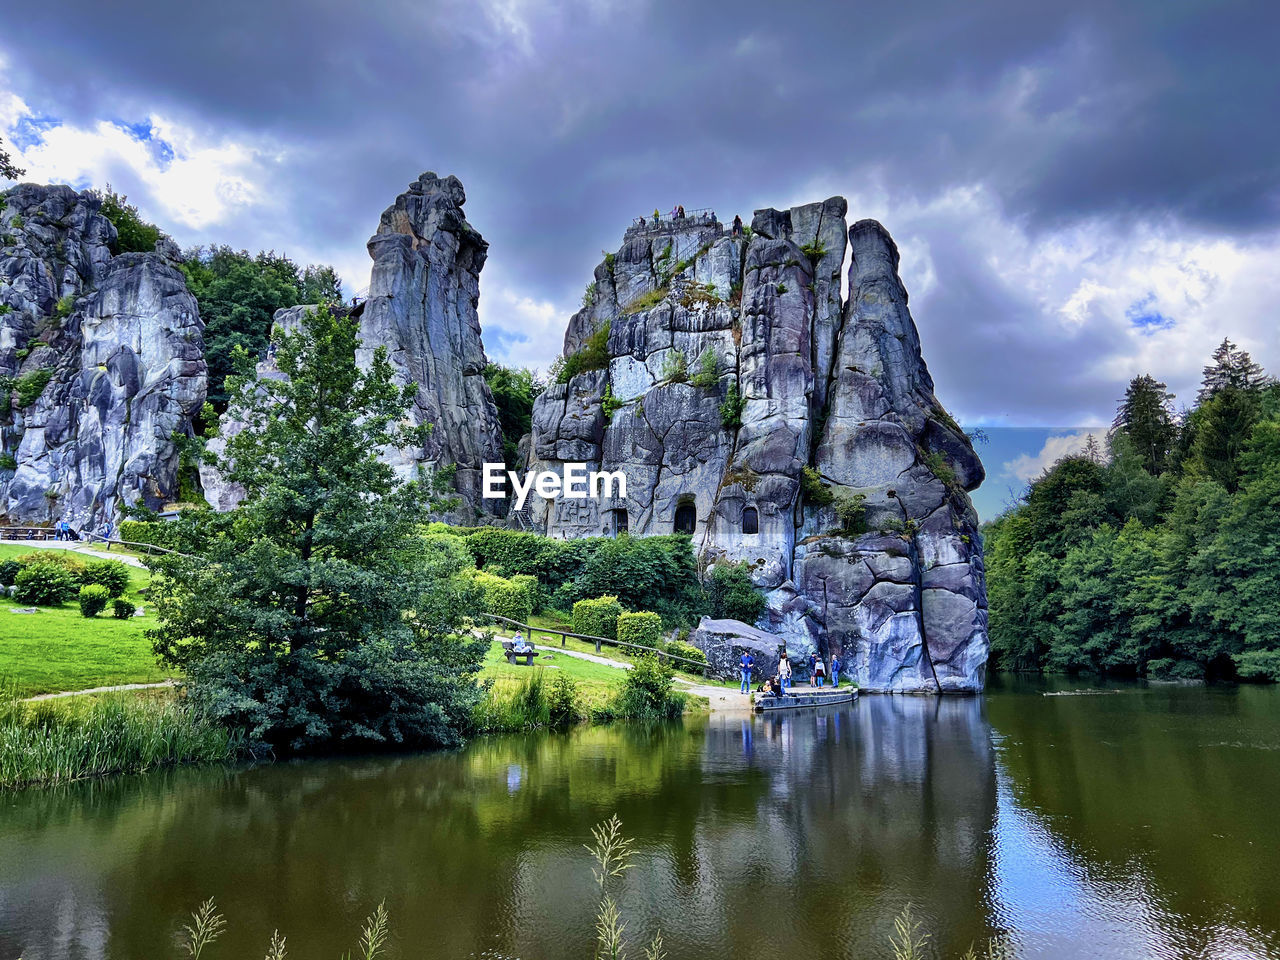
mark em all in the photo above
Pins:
pixel 1159 556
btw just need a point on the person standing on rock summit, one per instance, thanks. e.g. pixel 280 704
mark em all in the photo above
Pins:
pixel 746 664
pixel 737 225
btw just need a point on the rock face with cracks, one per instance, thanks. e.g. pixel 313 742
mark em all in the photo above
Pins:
pixel 783 427
pixel 102 360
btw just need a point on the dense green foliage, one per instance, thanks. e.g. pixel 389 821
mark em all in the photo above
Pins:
pixel 31 384
pixel 514 391
pixel 318 616
pixel 731 594
pixel 642 628
pixel 154 532
pixel 52 743
pixel 239 294
pixel 648 692
pixel 111 574
pixel 93 599
pixel 678 648
pixel 1161 559
pixel 133 234
pixel 645 573
pixel 503 597
pixel 45 584
pixel 8 169
pixel 597 617
pixel 593 355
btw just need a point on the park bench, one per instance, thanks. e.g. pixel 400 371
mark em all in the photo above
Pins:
pixel 508 650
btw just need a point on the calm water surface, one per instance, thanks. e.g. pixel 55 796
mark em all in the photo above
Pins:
pixel 1127 823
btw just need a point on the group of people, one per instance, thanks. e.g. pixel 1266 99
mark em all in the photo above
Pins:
pixel 780 683
pixel 62 531
pixel 677 213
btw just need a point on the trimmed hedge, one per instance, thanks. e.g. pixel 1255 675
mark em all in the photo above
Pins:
pixel 502 597
pixel 532 587
pixel 122 608
pixel 644 629
pixel 598 617
pixel 678 648
pixel 155 532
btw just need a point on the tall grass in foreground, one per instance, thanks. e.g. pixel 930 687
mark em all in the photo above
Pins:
pixel 611 852
pixel 533 703
pixel 57 742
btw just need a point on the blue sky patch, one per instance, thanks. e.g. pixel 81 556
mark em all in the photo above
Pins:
pixel 1143 315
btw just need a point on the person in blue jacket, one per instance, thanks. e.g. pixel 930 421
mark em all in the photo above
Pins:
pixel 835 670
pixel 746 664
pixel 813 670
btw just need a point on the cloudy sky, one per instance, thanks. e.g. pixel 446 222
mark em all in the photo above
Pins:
pixel 1082 192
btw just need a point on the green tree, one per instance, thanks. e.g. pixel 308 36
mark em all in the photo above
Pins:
pixel 1145 418
pixel 239 295
pixel 8 170
pixel 514 391
pixel 318 617
pixel 133 234
pixel 1231 367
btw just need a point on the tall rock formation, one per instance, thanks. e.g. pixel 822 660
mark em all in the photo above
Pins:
pixel 421 307
pixel 783 428
pixel 101 359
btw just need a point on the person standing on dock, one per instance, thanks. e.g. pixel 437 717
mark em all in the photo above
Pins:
pixel 820 671
pixel 835 670
pixel 813 670
pixel 746 664
pixel 784 672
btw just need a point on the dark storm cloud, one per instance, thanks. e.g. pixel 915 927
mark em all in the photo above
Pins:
pixel 565 120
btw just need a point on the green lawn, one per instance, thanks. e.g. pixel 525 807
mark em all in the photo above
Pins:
pixel 56 649
pixel 596 682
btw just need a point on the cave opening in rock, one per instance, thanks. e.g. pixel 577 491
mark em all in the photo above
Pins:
pixel 618 522
pixel 750 520
pixel 686 517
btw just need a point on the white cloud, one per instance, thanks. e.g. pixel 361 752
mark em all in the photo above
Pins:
pixel 519 330
pixel 176 177
pixel 1028 467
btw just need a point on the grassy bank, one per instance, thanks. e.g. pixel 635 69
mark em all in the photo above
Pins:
pixel 42 744
pixel 56 649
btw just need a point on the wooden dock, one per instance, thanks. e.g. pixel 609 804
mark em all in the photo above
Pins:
pixel 806 697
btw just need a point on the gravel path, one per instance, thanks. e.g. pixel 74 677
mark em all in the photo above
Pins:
pixel 118 689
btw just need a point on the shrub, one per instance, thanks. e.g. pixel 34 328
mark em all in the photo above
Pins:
pixel 646 301
pixel 532 588
pixel 1258 665
pixel 31 384
pixel 648 692
pixel 732 407
pixel 502 597
pixel 64 306
pixel 67 561
pixel 678 648
pixel 8 461
pixel 610 404
pixel 122 608
pixel 675 368
pixel 707 375
pixel 111 574
pixel 562 702
pixel 44 584
pixel 93 599
pixel 598 617
pixel 851 511
pixel 816 493
pixel 643 629
pixel 814 251
pixel 594 355
pixel 732 594
pixel 8 571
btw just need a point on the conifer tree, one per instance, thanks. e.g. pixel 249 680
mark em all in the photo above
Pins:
pixel 1145 417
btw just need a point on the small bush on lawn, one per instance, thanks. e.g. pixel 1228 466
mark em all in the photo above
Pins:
pixel 644 629
pixel 563 701
pixel 93 599
pixel 8 572
pixel 122 608
pixel 648 692
pixel 111 574
pixel 45 584
pixel 598 617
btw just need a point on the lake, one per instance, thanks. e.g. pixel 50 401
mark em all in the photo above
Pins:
pixel 1074 820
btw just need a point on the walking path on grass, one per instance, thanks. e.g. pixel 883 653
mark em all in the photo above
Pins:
pixel 121 688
